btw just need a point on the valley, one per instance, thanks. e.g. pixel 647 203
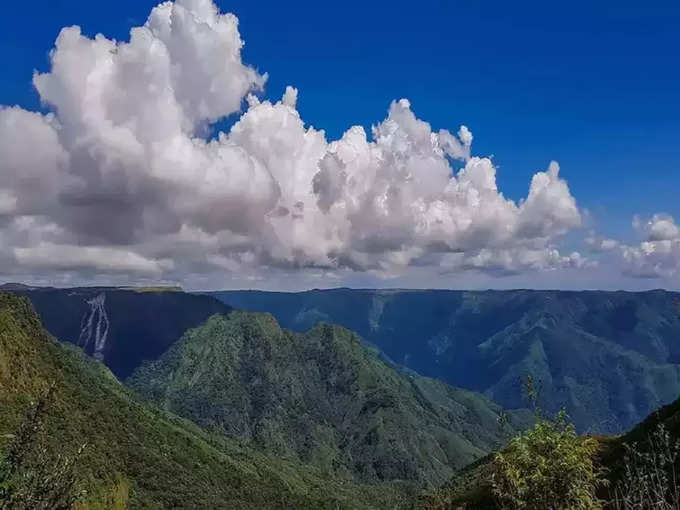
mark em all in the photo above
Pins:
pixel 373 419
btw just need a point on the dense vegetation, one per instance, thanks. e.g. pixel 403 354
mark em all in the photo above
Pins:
pixel 33 476
pixel 137 456
pixel 548 467
pixel 317 420
pixel 320 397
pixel 608 358
pixel 551 467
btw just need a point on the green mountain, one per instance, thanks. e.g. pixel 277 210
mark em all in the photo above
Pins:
pixel 138 456
pixel 322 398
pixel 609 358
pixel 645 436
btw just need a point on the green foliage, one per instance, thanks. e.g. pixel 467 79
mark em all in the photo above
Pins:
pixel 116 496
pixel 487 340
pixel 548 467
pixel 468 489
pixel 32 477
pixel 139 456
pixel 320 397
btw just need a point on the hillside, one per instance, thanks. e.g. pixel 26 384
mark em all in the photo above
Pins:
pixel 121 327
pixel 645 457
pixel 322 398
pixel 610 358
pixel 138 456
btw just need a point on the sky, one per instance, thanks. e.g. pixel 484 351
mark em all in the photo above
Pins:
pixel 112 168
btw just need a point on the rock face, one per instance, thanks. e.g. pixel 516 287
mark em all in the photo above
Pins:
pixel 120 327
pixel 323 398
pixel 610 358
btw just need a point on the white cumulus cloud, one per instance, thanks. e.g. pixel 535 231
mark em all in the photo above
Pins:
pixel 121 177
pixel 659 254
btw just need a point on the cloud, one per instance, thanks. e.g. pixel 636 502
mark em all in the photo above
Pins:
pixel 506 262
pixel 599 244
pixel 659 254
pixel 103 259
pixel 121 178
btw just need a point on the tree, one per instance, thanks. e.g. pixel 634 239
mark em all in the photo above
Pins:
pixel 32 476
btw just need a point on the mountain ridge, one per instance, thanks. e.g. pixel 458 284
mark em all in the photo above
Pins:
pixel 321 397
pixel 487 341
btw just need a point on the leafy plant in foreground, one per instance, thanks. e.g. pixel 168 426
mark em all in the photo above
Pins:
pixel 548 467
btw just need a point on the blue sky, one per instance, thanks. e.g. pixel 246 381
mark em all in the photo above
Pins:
pixel 593 85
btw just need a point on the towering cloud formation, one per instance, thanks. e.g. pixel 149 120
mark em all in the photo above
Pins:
pixel 120 177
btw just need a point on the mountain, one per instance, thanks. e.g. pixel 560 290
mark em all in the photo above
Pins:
pixel 656 436
pixel 120 326
pixel 609 358
pixel 14 286
pixel 137 456
pixel 322 398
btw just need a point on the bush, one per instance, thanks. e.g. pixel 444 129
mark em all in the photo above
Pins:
pixel 547 467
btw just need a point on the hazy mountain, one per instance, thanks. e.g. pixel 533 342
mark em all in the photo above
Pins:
pixel 610 358
pixel 320 397
pixel 138 456
pixel 121 327
pixel 14 286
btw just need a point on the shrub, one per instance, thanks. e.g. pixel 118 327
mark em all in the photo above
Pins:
pixel 548 467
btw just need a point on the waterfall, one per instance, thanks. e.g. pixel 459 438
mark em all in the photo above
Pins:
pixel 94 328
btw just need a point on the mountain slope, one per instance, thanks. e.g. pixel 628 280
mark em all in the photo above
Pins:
pixel 646 455
pixel 320 397
pixel 610 358
pixel 154 458
pixel 121 327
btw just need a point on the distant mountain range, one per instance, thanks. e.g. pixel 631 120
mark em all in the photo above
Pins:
pixel 14 286
pixel 609 358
